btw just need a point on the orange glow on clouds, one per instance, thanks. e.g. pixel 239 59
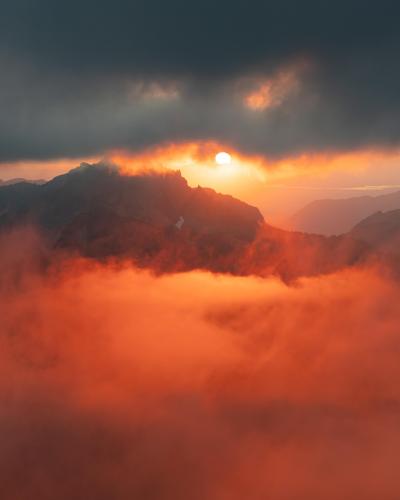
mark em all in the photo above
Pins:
pixel 197 163
pixel 277 186
pixel 261 98
pixel 271 92
pixel 125 385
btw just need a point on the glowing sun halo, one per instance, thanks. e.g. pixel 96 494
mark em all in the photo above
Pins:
pixel 223 158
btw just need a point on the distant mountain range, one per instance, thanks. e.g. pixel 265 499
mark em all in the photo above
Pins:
pixel 333 217
pixel 381 231
pixel 17 180
pixel 159 222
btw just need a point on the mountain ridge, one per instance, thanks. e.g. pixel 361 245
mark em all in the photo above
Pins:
pixel 339 216
pixel 159 222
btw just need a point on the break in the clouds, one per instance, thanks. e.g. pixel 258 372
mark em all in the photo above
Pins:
pixel 81 78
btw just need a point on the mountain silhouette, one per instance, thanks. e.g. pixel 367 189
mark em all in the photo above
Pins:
pixel 330 217
pixel 381 231
pixel 158 221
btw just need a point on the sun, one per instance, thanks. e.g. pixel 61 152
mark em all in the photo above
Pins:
pixel 223 158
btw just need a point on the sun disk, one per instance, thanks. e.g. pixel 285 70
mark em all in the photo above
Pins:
pixel 223 158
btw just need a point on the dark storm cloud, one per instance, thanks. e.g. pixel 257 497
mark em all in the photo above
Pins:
pixel 69 72
pixel 184 37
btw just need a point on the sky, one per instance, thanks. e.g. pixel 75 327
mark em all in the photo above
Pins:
pixel 304 95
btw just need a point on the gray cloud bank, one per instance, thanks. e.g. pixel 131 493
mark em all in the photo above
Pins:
pixel 78 78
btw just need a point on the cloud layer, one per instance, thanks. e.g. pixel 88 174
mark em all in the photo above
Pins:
pixel 119 384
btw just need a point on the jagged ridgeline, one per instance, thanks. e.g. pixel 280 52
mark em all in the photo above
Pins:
pixel 159 221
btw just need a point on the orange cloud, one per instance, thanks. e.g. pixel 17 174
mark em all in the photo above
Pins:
pixel 273 91
pixel 117 384
pixel 196 161
pixel 202 155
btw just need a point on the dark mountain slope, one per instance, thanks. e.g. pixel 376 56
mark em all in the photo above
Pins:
pixel 158 199
pixel 381 231
pixel 159 222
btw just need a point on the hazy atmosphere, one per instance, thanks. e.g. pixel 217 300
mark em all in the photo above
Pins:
pixel 199 250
